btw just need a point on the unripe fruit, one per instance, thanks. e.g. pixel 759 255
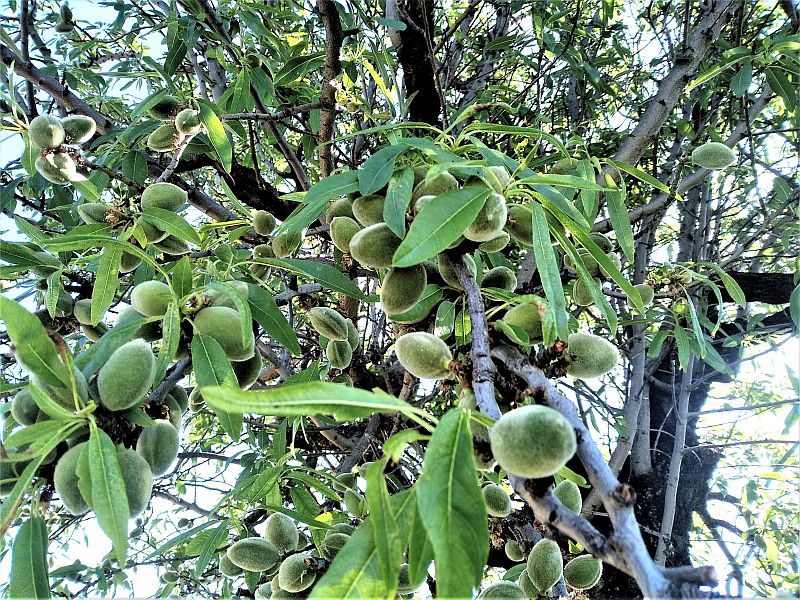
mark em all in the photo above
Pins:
pixel 253 554
pixel 497 177
pixel 374 246
pixel 151 298
pixel 282 533
pixel 227 568
pixel 66 12
pixel 23 408
pixel 263 251
pixel 215 297
pixel 263 592
pixel 713 155
pixel 46 132
pixel 65 480
pixel 224 325
pixel 247 371
pixel 564 166
pixel 342 230
pixel 354 502
pixel 82 311
pixel 545 565
pixel 519 224
pixel 524 581
pixel 158 445
pixel 149 331
pixel 175 412
pixel 532 441
pixel 58 168
pixel 583 572
pixel 329 323
pixel 498 502
pixel 500 277
pixel 180 396
pixel 64 304
pixel 343 482
pixel 421 202
pixel 129 262
pixel 496 243
pixel 286 244
pixel 295 575
pixel 94 332
pixel 164 139
pixel 402 288
pixel 604 242
pixel 503 590
pixel 442 183
pixel 590 356
pixel 424 355
pixel 93 212
pixel 188 121
pixel 527 318
pixel 165 109
pixel 64 395
pixel 263 222
pixel 569 494
pixel 9 473
pixel 646 292
pixel 447 270
pixel 170 576
pixel 339 208
pixel 151 232
pixel 164 195
pixel 404 583
pixel 78 128
pixel 489 221
pixel 127 375
pixel 65 27
pixel 138 480
pixel 514 551
pixel 339 354
pixel 332 543
pixel 353 335
pixel 580 293
pixel 368 210
pixel 614 260
pixel 345 528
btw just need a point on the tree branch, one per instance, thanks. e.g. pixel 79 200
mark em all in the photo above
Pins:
pixel 333 65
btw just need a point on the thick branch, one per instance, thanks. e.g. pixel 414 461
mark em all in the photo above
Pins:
pixel 333 66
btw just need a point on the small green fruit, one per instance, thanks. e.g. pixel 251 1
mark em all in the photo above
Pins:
pixel 339 354
pixel 227 568
pixel 354 502
pixel 713 155
pixel 253 554
pixel 519 224
pixel 402 288
pixel 368 210
pixel 332 543
pixel 172 245
pixel 65 480
pixel 66 13
pixel 344 482
pixel 447 270
pixel 93 212
pixel 569 494
pixel 215 297
pixel 614 260
pixel 23 408
pixel 263 222
pixel 497 177
pixel 583 572
pixel 286 244
pixel 442 183
pixel 532 441
pixel 58 168
pixel 526 317
pixel 82 311
pixel 545 565
pixel 421 202
pixel 590 356
pixel 224 325
pixel 281 532
pixel 424 355
pixel 188 121
pixel 170 576
pixel 581 294
pixel 138 480
pixel 500 277
pixel 496 243
pixel 94 332
pixel 9 474
pixel 503 590
pixel 65 27
pixel 151 232
pixel 164 195
pixel 129 262
pixel 374 246
pixel 164 139
pixel 263 251
pixel 524 581
pixel 263 592
pixel 514 551
pixel 564 166
pixel 165 109
pixel 353 335
pixel 247 371
pixel 180 396
pixel 605 243
pixel 46 132
pixel 158 445
pixel 646 292
pixel 329 323
pixel 339 208
pixel 342 230
pixel 78 128
pixel 127 375
pixel 151 298
pixel 295 575
pixel 489 221
pixel 498 502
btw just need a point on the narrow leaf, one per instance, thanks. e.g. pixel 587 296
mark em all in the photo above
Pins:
pixel 212 368
pixel 29 577
pixel 547 264
pixel 398 195
pixel 267 314
pixel 109 500
pixel 106 282
pixel 386 532
pixel 174 224
pixel 217 136
pixel 378 168
pixel 316 199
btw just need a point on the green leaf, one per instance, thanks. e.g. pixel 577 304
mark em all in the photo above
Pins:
pixel 323 274
pixel 216 135
pixel 96 355
pixel 682 344
pixel 741 81
pixel 87 189
pixel 54 290
pixel 192 533
pixel 304 399
pixel 782 86
pixel 217 537
pixel 420 549
pixel 378 168
pixel 266 312
pixel 109 500
pixel 174 224
pixel 297 67
pixel 570 181
pixel 106 282
pixel 618 215
pixel 212 368
pixel 398 195
pixel 547 264
pixel 449 497
pixel 735 56
pixel 733 288
pixel 386 533
pixel 181 277
pixel 794 306
pixel 49 406
pixel 34 349
pixel 29 577
pixel 640 175
pixel 439 224
pixel 316 199
pixel 170 338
